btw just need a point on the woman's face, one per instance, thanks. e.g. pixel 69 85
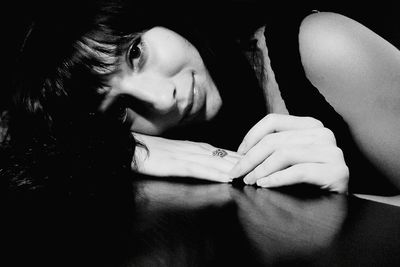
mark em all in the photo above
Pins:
pixel 164 82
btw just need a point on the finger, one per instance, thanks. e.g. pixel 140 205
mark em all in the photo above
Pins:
pixel 275 123
pixel 185 169
pixel 286 157
pixel 274 141
pixel 332 177
pixel 254 157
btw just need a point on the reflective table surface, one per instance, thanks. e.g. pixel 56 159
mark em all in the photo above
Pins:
pixel 180 223
pixel 223 225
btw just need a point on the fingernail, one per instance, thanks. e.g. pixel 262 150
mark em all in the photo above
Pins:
pixel 247 179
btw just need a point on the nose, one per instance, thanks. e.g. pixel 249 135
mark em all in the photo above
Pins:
pixel 158 94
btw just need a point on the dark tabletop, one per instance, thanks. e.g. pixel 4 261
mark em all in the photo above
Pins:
pixel 184 224
pixel 191 223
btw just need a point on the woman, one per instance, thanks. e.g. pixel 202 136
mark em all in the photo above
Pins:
pixel 161 77
pixel 171 79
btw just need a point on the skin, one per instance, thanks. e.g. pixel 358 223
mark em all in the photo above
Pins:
pixel 358 72
pixel 172 83
pixel 174 87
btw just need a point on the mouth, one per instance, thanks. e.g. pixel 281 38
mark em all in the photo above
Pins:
pixel 188 109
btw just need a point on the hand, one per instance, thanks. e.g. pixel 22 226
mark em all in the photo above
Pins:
pixel 165 157
pixel 284 150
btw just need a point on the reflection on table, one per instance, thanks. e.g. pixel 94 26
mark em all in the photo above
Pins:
pixel 187 223
pixel 180 224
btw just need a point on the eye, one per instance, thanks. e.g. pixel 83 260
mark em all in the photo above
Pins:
pixel 135 54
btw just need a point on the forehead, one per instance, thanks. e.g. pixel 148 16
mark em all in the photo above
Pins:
pixel 158 32
pixel 168 40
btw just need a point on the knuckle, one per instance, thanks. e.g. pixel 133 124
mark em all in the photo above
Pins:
pixel 337 153
pixel 267 141
pixel 341 175
pixel 313 122
pixel 282 153
pixel 327 134
pixel 304 172
pixel 343 172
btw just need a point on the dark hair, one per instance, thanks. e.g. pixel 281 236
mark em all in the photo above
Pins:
pixel 68 55
pixel 66 167
pixel 52 122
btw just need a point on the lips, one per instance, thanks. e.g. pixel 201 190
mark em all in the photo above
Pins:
pixel 189 106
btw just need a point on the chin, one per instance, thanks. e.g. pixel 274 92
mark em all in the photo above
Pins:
pixel 212 112
pixel 149 130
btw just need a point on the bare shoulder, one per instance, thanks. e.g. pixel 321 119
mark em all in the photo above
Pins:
pixel 350 64
pixel 358 72
pixel 331 43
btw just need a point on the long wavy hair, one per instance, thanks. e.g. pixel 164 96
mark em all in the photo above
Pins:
pixel 53 136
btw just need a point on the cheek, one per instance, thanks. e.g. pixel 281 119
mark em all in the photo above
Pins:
pixel 175 55
pixel 175 59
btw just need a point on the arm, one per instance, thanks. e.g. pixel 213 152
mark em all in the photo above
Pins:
pixel 163 157
pixel 358 72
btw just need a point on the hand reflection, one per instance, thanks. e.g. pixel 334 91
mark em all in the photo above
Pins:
pixel 169 194
pixel 176 223
pixel 283 227
pixel 182 222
